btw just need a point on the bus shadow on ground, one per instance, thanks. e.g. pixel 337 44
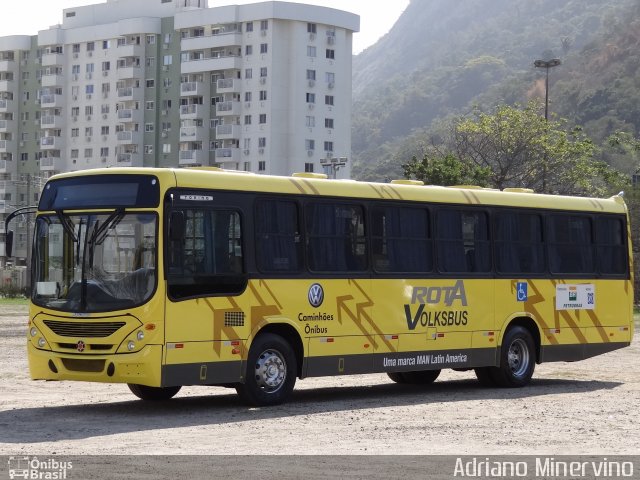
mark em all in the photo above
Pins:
pixel 74 422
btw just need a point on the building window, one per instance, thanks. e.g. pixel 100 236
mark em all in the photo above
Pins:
pixel 328 146
pixel 248 50
pixel 311 51
pixel 308 167
pixel 91 46
pixel 264 48
pixel 248 27
pixel 331 54
pixel 106 66
pixel 263 72
pixel 75 132
pixel 330 77
pixel 88 131
pixel 167 38
pixel 328 100
pixel 263 118
pixel 262 166
pixel 311 28
pixel 167 60
pixel 151 39
pixel 75 69
pixel 248 73
pixel 311 121
pixel 150 105
pixel 150 62
pixel 88 152
pixel 148 127
pixel 151 83
pixel 106 44
pixel 148 149
pixel 311 74
pixel 262 142
pixel 88 110
pixel 311 97
pixel 247 96
pixel 263 95
pixel 76 48
pixel 75 153
pixel 166 148
pixel 310 144
pixel 89 67
pixel 328 123
pixel 104 152
pixel 264 25
pixel 247 119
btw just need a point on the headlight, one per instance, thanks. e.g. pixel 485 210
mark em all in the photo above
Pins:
pixel 131 345
pixel 33 331
pixel 41 342
pixel 140 335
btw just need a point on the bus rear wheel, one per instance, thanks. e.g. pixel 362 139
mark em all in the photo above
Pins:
pixel 517 359
pixel 419 377
pixel 155 394
pixel 270 373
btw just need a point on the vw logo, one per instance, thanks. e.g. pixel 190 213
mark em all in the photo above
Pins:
pixel 80 346
pixel 316 295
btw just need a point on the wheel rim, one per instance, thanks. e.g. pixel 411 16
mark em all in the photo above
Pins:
pixel 270 371
pixel 518 357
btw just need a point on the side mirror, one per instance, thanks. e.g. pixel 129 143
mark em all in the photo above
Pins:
pixel 176 226
pixel 8 243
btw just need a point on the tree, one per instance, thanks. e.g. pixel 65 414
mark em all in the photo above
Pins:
pixel 435 169
pixel 521 149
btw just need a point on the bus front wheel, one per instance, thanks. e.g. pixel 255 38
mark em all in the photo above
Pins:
pixel 155 394
pixel 270 373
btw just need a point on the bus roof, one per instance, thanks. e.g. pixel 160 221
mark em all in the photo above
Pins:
pixel 230 180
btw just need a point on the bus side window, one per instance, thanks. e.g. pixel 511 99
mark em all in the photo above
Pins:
pixel 570 244
pixel 278 243
pixel 463 242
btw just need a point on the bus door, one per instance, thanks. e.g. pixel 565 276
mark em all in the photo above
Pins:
pixel 207 296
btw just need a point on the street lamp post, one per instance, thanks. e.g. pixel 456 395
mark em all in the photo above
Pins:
pixel 547 64
pixel 333 164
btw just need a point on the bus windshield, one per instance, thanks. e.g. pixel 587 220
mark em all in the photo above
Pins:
pixel 94 262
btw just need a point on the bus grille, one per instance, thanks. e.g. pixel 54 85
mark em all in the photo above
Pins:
pixel 84 329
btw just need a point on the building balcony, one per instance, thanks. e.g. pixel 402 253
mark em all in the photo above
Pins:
pixel 130 93
pixel 228 108
pixel 6 85
pixel 51 59
pixel 7 126
pixel 52 121
pixel 8 66
pixel 130 115
pixel 228 85
pixel 129 160
pixel 128 138
pixel 191 157
pixel 51 101
pixel 54 80
pixel 191 111
pixel 189 89
pixel 130 50
pixel 227 155
pixel 51 163
pixel 7 146
pixel 51 143
pixel 211 64
pixel 125 73
pixel 228 132
pixel 7 106
pixel 192 134
pixel 233 39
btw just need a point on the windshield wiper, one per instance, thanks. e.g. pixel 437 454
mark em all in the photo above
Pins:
pixel 99 234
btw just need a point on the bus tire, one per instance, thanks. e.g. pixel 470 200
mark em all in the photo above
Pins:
pixel 420 377
pixel 397 377
pixel 270 372
pixel 154 394
pixel 485 376
pixel 517 359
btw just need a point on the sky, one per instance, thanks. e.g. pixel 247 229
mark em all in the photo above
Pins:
pixel 376 18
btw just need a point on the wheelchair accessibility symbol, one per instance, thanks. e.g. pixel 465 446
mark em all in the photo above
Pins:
pixel 522 292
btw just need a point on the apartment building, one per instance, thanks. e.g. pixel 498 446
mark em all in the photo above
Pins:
pixel 264 87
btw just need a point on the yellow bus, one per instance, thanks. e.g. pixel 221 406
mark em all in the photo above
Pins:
pixel 161 278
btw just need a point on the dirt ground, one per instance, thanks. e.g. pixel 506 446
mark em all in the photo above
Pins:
pixel 589 407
